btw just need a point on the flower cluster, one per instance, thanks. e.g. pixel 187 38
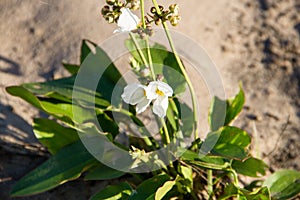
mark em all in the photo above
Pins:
pixel 142 96
pixel 112 11
pixel 171 15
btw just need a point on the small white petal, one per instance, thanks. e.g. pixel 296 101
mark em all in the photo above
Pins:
pixel 165 88
pixel 127 21
pixel 141 106
pixel 154 86
pixel 133 93
pixel 160 106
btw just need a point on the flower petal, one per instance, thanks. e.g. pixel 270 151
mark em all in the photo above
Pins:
pixel 133 93
pixel 160 106
pixel 158 85
pixel 165 88
pixel 141 106
pixel 127 21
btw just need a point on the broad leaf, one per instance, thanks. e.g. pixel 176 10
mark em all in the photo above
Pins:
pixel 103 172
pixel 223 112
pixel 67 164
pixel 251 167
pixel 230 142
pixel 53 135
pixel 149 187
pixel 283 184
pixel 114 192
pixel 163 190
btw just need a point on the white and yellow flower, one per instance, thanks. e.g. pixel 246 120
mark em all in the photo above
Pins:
pixel 141 96
pixel 127 21
pixel 159 91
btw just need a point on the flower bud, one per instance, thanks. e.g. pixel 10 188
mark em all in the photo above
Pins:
pixel 153 10
pixel 110 18
pixel 161 8
pixel 110 2
pixel 158 21
pixel 174 8
pixel 135 5
pixel 105 10
pixel 174 20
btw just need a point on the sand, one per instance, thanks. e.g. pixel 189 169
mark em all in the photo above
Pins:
pixel 255 42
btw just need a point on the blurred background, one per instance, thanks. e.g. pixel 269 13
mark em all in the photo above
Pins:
pixel 256 42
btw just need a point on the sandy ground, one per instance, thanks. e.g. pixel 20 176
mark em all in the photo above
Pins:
pixel 256 42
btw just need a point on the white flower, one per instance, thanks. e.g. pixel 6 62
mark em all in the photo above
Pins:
pixel 135 94
pixel 159 91
pixel 127 21
pixel 141 96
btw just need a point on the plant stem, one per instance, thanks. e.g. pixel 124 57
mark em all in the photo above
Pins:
pixel 189 83
pixel 166 131
pixel 138 48
pixel 210 182
pixel 147 39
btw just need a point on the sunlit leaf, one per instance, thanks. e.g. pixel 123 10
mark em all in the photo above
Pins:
pixel 283 184
pixel 149 187
pixel 53 135
pixel 114 192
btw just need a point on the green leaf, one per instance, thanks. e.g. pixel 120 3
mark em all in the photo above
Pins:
pixel 164 63
pixel 71 68
pixel 163 190
pixel 65 87
pixel 85 49
pixel 235 106
pixel 98 72
pixel 103 172
pixel 252 167
pixel 217 114
pixel 283 184
pixel 67 164
pixel 114 192
pixel 232 191
pixel 149 187
pixel 223 112
pixel 210 162
pixel 53 135
pixel 230 142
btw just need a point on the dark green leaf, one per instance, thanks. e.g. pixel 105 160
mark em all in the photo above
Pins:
pixel 283 184
pixel 71 68
pixel 53 135
pixel 230 142
pixel 103 172
pixel 217 114
pixel 250 167
pixel 149 187
pixel 66 165
pixel 114 192
pixel 223 112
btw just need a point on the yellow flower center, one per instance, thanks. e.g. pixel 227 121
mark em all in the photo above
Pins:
pixel 160 93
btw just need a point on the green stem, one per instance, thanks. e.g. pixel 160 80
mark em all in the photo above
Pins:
pixel 189 83
pixel 166 131
pixel 143 13
pixel 147 39
pixel 138 48
pixel 210 182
